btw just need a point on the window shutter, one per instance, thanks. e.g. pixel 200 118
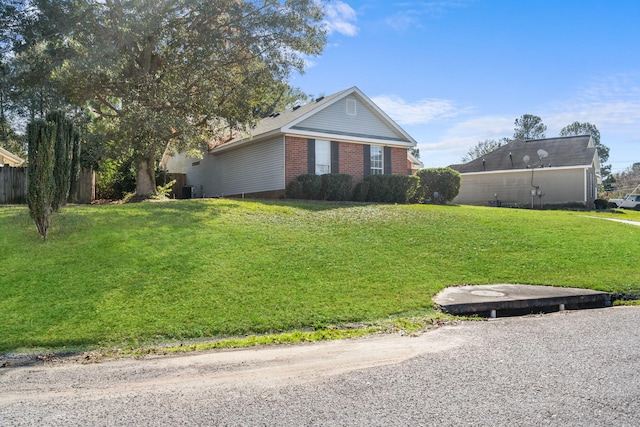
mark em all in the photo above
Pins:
pixel 311 156
pixel 335 160
pixel 387 160
pixel 367 160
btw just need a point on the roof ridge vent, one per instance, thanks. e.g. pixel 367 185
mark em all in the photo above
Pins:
pixel 296 107
pixel 319 99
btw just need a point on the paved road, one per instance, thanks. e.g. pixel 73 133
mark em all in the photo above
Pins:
pixel 571 368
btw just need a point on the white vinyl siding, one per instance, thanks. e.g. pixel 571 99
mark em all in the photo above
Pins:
pixel 377 160
pixel 252 168
pixel 323 157
pixel 335 119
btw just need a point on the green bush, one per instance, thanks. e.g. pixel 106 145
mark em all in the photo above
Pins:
pixel 411 184
pixel 294 190
pixel 391 188
pixel 336 187
pixel 311 186
pixel 440 185
pixel 361 192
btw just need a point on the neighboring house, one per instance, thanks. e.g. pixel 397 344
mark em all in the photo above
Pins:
pixel 414 163
pixel 343 133
pixel 562 171
pixel 6 158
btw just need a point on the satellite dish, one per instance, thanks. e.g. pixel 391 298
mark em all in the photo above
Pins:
pixel 526 158
pixel 542 154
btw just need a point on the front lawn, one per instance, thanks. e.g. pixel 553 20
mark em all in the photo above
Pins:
pixel 126 275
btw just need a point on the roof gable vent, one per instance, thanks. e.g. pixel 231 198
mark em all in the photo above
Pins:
pixel 351 107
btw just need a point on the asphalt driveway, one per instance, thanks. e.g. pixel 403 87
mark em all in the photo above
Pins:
pixel 568 368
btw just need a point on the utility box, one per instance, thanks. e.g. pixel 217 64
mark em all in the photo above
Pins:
pixel 188 192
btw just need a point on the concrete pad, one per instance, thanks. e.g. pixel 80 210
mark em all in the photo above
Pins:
pixel 508 300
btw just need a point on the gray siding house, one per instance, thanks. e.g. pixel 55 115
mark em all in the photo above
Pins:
pixel 563 171
pixel 341 133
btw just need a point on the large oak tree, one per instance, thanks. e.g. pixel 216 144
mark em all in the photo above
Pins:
pixel 176 73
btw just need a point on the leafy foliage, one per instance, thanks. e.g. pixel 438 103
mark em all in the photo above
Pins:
pixel 586 128
pixel 391 188
pixel 484 147
pixel 168 71
pixel 336 187
pixel 440 185
pixel 529 126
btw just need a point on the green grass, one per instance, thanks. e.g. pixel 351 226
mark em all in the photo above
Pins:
pixel 136 274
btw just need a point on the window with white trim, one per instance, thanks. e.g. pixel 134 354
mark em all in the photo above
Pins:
pixel 377 163
pixel 323 157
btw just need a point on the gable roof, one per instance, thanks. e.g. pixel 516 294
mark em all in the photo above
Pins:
pixel 10 159
pixel 293 120
pixel 567 151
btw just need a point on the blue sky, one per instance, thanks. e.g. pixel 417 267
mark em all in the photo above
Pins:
pixel 455 72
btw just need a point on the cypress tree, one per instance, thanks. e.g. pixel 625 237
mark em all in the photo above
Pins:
pixel 41 138
pixel 63 157
pixel 74 173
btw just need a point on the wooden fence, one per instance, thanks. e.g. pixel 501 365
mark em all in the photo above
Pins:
pixel 13 186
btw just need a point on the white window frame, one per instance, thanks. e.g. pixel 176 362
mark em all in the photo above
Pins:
pixel 377 160
pixel 323 157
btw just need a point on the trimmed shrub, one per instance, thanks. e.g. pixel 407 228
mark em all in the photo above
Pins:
pixel 294 190
pixel 361 192
pixel 440 185
pixel 411 183
pixel 390 188
pixel 311 186
pixel 336 187
pixel 601 204
pixel 41 137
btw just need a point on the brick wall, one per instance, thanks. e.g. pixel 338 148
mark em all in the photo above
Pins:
pixel 295 157
pixel 350 158
pixel 399 161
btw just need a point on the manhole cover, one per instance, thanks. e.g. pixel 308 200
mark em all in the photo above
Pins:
pixel 488 293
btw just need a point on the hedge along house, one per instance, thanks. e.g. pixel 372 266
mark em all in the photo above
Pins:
pixel 562 172
pixel 342 133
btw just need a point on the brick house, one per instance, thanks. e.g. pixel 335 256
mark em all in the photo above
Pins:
pixel 341 133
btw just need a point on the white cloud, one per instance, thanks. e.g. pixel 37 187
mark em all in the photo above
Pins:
pixel 340 18
pixel 420 112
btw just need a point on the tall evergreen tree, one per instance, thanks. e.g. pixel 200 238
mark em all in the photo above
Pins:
pixel 64 151
pixel 41 136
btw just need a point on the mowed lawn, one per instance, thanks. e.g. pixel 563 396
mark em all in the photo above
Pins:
pixel 133 274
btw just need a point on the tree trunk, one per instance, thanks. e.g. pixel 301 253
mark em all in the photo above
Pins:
pixel 146 182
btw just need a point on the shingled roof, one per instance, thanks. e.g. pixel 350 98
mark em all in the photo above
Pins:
pixel 286 121
pixel 561 152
